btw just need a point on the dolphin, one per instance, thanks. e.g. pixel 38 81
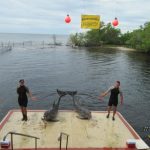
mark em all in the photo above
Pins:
pixel 63 93
pixel 51 114
pixel 83 112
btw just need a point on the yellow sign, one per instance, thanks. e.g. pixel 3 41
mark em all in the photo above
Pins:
pixel 90 21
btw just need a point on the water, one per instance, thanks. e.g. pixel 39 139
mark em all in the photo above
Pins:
pixel 12 37
pixel 89 71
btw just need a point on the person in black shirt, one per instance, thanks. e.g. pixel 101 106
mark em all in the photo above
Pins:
pixel 113 100
pixel 22 91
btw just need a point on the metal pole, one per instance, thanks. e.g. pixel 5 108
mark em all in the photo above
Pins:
pixel 11 133
pixel 67 143
pixel 60 140
pixel 12 141
pixel 35 143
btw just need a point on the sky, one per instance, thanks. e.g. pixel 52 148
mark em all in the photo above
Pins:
pixel 47 16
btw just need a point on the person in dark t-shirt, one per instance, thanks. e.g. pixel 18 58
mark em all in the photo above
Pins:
pixel 113 99
pixel 22 92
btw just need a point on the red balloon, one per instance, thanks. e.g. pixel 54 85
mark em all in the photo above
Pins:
pixel 67 19
pixel 115 22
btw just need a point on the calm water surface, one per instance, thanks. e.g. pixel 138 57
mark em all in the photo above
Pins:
pixel 89 71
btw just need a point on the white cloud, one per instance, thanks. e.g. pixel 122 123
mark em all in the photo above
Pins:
pixel 47 16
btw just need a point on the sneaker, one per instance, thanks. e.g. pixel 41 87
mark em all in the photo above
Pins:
pixel 113 118
pixel 107 116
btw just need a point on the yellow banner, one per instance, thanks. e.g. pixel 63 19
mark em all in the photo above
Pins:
pixel 90 21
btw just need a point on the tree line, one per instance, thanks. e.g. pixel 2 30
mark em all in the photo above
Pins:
pixel 138 39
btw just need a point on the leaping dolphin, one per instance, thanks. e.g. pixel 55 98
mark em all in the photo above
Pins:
pixel 51 114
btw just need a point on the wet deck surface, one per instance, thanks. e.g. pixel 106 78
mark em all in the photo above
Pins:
pixel 99 132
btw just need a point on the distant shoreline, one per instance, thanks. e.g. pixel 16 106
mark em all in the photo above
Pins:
pixel 114 47
pixel 121 48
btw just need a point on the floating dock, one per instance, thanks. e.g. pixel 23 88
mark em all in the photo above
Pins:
pixel 98 133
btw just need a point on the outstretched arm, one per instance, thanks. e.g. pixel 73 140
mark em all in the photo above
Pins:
pixel 30 94
pixel 121 97
pixel 105 93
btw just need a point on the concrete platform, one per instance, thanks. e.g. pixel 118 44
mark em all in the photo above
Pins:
pixel 97 133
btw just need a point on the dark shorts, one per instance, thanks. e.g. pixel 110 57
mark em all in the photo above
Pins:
pixel 23 103
pixel 113 103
